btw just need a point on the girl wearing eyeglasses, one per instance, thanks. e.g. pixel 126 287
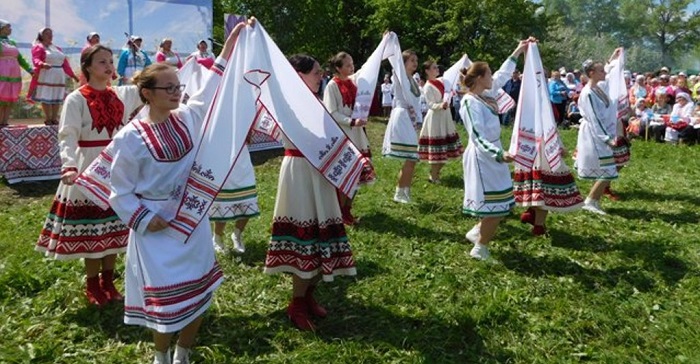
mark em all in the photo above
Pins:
pixel 169 284
pixel 75 227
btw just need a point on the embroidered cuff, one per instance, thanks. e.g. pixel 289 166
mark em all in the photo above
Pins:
pixel 140 219
pixel 499 156
pixel 219 65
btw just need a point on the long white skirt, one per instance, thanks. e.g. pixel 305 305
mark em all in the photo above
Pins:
pixel 169 283
pixel 594 158
pixel 400 139
pixel 488 188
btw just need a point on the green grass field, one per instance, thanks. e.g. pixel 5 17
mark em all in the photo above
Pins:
pixel 622 288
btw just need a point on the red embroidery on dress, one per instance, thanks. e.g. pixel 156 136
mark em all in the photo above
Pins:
pixel 348 90
pixel 167 141
pixel 106 109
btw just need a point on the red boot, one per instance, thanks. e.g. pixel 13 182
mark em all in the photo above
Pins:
pixel 539 230
pixel 314 308
pixel 107 285
pixel 93 292
pixel 528 217
pixel 298 313
pixel 610 194
pixel 348 219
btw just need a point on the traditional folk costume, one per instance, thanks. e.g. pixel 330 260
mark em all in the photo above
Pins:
pixel 48 85
pixel 619 94
pixel 541 177
pixel 206 59
pixel 387 91
pixel 439 140
pixel 594 156
pixel 339 99
pixel 130 61
pixel 238 198
pixel 308 235
pixel 169 281
pixel 488 188
pixel 75 226
pixel 170 58
pixel 10 73
pixel 400 139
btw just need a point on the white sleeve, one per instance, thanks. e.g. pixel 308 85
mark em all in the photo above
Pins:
pixel 123 199
pixel 69 131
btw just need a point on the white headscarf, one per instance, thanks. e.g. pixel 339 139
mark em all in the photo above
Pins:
pixel 4 23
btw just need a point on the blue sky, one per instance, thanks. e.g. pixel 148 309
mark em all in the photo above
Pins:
pixel 185 21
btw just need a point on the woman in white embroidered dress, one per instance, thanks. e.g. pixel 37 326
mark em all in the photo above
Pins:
pixel 339 99
pixel 165 54
pixel 48 86
pixel 488 188
pixel 169 283
pixel 597 136
pixel 439 141
pixel 308 236
pixel 400 138
pixel 75 227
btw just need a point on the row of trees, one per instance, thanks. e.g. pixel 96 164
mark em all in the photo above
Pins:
pixel 570 31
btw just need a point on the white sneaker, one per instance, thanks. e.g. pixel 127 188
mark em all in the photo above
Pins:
pixel 480 252
pixel 162 358
pixel 238 245
pixel 474 234
pixel 219 246
pixel 594 207
pixel 182 355
pixel 401 195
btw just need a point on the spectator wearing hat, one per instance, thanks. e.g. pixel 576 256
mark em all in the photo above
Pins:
pixel 202 54
pixel 166 55
pixel 131 60
pixel 92 39
pixel 682 83
pixel 665 83
pixel 51 66
pixel 639 91
pixel 679 127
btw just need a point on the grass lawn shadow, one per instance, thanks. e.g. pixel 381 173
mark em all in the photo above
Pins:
pixel 452 181
pixel 647 215
pixel 655 256
pixel 653 196
pixel 32 189
pixel 108 322
pixel 591 279
pixel 453 339
pixel 383 223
